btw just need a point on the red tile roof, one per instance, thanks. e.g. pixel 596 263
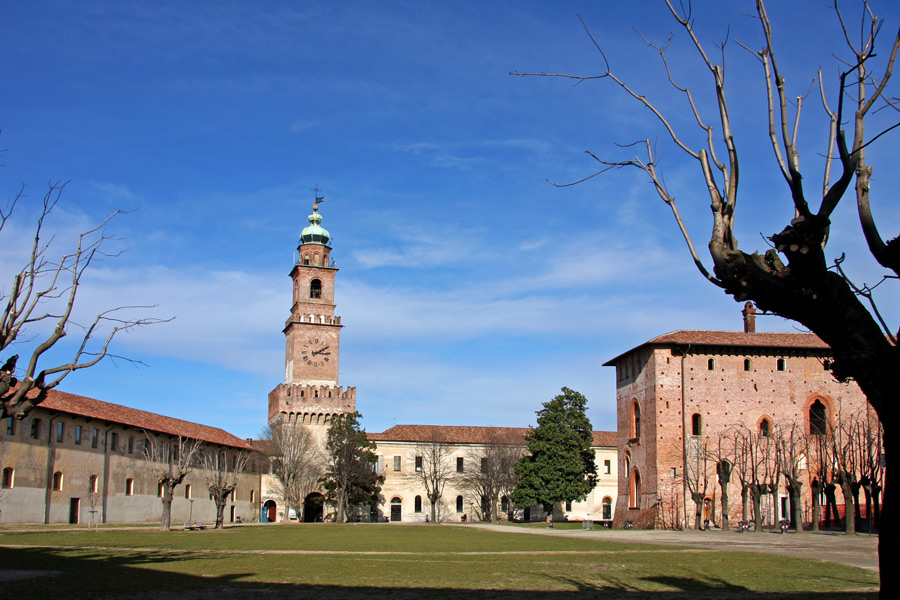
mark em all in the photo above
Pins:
pixel 453 434
pixel 732 339
pixel 139 419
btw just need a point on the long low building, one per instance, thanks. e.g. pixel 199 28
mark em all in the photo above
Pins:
pixel 471 460
pixel 79 460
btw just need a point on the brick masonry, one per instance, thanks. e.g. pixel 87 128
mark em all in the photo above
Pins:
pixel 728 379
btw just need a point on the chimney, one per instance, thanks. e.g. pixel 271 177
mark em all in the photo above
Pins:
pixel 749 313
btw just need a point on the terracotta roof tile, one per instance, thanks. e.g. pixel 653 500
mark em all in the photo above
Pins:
pixel 453 434
pixel 139 419
pixel 732 339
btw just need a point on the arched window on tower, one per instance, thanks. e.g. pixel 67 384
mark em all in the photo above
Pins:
pixel 818 418
pixel 764 428
pixel 315 288
pixel 695 424
pixel 635 420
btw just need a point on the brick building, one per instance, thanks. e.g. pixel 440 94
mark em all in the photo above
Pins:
pixel 683 390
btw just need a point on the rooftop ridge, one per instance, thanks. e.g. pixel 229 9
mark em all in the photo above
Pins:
pixel 466 434
pixel 139 419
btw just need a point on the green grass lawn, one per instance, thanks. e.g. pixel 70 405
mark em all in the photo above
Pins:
pixel 364 561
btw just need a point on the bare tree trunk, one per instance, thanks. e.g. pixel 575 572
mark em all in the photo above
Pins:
pixel 433 500
pixel 220 511
pixel 755 498
pixel 795 491
pixel 876 505
pixel 855 487
pixel 816 507
pixel 745 502
pixel 165 523
pixel 849 510
pixel 698 510
pixel 725 525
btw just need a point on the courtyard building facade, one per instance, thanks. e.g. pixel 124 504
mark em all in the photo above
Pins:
pixel 690 401
pixel 74 460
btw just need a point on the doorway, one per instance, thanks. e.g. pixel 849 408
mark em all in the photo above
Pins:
pixel 314 508
pixel 269 514
pixel 396 509
pixel 74 509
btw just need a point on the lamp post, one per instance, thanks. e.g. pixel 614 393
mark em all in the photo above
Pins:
pixel 191 514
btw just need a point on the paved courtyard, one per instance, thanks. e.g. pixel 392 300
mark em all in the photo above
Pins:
pixel 856 550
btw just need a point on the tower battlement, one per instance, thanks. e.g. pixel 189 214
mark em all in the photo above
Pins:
pixel 305 403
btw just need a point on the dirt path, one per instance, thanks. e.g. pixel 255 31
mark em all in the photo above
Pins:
pixel 854 550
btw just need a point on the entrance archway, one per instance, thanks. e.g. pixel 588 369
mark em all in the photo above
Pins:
pixel 396 508
pixel 314 508
pixel 269 512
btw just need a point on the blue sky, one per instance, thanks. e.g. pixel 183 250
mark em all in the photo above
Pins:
pixel 471 289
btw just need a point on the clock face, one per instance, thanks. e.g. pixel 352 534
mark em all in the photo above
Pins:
pixel 315 352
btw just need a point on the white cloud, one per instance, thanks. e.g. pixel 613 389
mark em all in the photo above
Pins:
pixel 226 318
pixel 418 244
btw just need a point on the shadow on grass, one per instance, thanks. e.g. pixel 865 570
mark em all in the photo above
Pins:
pixel 157 575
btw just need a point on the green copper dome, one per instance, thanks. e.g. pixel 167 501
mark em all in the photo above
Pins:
pixel 314 234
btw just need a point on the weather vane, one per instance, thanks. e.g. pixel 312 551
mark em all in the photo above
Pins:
pixel 319 199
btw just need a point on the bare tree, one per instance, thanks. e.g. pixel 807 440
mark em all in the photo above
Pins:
pixel 433 468
pixel 846 469
pixel 723 457
pixel 296 459
pixel 818 472
pixel 42 297
pixel 871 444
pixel 171 458
pixel 222 473
pixel 697 473
pixel 792 278
pixel 790 446
pixel 93 495
pixel 494 473
pixel 756 469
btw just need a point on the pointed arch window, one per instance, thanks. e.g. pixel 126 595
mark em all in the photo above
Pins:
pixel 634 490
pixel 635 420
pixel 765 428
pixel 818 418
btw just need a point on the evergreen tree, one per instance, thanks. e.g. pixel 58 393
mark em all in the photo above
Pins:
pixel 350 479
pixel 559 466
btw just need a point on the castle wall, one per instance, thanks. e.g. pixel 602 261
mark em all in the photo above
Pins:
pixel 29 495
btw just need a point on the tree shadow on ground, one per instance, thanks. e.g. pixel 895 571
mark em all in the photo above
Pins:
pixel 149 575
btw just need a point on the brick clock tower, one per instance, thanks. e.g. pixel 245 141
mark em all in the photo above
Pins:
pixel 310 394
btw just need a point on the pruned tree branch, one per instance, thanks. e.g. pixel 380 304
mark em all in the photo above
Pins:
pixel 44 291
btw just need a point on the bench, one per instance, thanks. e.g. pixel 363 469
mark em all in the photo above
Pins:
pixel 194 526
